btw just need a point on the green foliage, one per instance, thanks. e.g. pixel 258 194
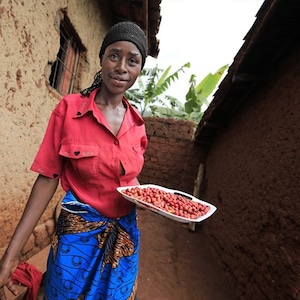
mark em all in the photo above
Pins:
pixel 147 95
pixel 151 98
pixel 198 94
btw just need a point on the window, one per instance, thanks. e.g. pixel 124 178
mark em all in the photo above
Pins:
pixel 65 70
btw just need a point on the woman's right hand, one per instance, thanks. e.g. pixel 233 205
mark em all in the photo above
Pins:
pixel 41 193
pixel 6 271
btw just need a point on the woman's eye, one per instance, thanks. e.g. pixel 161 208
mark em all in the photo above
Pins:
pixel 114 57
pixel 133 61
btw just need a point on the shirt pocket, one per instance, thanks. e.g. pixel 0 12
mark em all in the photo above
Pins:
pixel 133 160
pixel 82 160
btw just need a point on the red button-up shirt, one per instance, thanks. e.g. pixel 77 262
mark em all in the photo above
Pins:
pixel 79 148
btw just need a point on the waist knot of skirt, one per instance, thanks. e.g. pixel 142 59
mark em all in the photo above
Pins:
pixel 92 257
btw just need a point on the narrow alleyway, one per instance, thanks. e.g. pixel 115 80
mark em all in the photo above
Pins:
pixel 177 264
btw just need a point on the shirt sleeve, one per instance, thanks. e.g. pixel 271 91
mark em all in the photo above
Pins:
pixel 47 161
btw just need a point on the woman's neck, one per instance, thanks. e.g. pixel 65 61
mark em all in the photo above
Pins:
pixel 107 99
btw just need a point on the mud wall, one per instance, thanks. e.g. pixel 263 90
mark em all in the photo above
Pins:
pixel 253 177
pixel 29 41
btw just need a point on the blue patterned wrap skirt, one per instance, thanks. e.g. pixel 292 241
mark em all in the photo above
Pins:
pixel 92 257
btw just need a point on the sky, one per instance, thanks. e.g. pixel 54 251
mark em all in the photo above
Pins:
pixel 206 33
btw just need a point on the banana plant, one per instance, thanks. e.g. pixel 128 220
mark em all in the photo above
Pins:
pixel 149 94
pixel 198 94
pixel 151 99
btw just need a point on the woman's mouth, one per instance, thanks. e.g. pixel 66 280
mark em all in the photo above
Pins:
pixel 119 79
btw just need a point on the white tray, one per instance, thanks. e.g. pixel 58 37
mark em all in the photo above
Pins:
pixel 155 209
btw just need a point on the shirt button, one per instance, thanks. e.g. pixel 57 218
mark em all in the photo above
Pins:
pixel 116 142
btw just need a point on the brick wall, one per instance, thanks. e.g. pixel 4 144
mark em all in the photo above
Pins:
pixel 169 145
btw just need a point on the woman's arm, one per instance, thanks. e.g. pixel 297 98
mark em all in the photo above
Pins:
pixel 41 194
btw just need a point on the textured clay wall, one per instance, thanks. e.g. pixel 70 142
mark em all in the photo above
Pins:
pixel 29 42
pixel 253 177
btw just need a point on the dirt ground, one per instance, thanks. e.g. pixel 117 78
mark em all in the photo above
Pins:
pixel 177 264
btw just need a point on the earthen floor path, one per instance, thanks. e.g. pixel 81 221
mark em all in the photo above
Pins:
pixel 177 264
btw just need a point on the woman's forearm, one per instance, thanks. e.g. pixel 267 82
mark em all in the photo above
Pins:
pixel 41 194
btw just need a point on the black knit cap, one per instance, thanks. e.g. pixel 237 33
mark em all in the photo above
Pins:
pixel 126 31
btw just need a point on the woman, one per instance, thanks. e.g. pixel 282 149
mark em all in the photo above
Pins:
pixel 94 143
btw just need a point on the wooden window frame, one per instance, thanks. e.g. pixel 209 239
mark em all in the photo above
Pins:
pixel 65 69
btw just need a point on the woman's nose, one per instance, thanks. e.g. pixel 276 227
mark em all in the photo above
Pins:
pixel 122 65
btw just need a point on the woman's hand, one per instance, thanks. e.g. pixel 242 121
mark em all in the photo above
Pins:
pixel 11 288
pixel 41 193
pixel 6 271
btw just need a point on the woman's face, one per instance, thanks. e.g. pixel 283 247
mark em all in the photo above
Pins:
pixel 121 64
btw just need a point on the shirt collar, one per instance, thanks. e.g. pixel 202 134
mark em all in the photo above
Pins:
pixel 87 105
